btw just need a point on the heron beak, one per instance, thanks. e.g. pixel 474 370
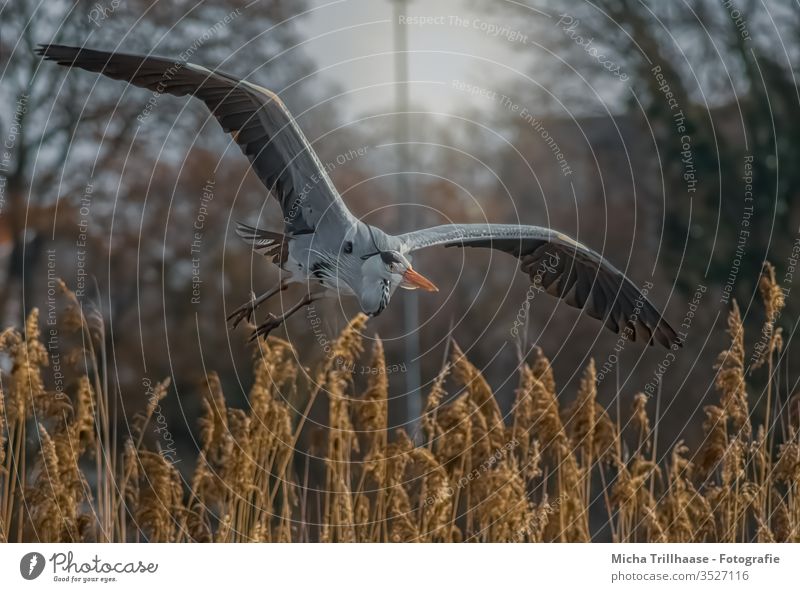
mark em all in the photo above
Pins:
pixel 413 280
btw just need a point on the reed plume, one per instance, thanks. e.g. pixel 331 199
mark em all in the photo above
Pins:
pixel 473 473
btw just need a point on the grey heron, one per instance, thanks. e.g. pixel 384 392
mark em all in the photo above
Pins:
pixel 323 244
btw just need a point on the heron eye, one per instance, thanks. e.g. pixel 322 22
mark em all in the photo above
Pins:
pixel 348 247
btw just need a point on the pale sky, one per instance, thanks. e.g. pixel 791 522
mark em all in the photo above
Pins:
pixel 352 43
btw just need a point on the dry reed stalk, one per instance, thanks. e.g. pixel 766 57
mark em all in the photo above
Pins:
pixel 544 413
pixel 73 433
pixel 571 517
pixel 631 496
pixel 372 414
pixel 787 468
pixel 55 507
pixel 481 396
pixel 533 532
pixel 24 389
pixel 785 525
pixel 683 511
pixel 581 423
pixel 455 430
pixel 730 379
pixel 432 403
pixel 207 492
pixel 641 420
pixel 159 506
pixel 272 441
pixel 474 478
pixel 771 342
pixel 398 517
pixel 363 517
pixel 522 425
pixel 402 528
pixel 88 322
pixel 580 417
pixel 342 442
pixel 374 471
pixel 236 475
pixel 501 504
pixel 435 497
pixel 453 450
pixel 372 409
pixel 486 436
pixel 773 298
pixel 715 442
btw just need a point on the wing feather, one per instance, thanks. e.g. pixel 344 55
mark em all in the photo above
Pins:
pixel 565 269
pixel 256 118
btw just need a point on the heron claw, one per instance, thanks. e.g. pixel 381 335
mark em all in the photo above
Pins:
pixel 248 309
pixel 267 327
pixel 245 312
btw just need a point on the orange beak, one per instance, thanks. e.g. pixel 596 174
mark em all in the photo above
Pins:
pixel 413 280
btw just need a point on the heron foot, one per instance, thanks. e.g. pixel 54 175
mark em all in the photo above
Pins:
pixel 245 312
pixel 248 309
pixel 273 322
pixel 264 329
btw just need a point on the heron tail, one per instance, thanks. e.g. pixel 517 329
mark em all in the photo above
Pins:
pixel 264 242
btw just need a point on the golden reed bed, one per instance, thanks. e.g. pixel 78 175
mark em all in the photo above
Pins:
pixel 473 477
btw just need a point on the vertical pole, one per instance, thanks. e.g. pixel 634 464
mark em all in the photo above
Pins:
pixel 406 195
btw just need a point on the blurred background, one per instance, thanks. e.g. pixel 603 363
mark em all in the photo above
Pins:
pixel 666 136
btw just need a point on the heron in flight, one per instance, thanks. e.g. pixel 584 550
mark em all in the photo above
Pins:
pixel 323 244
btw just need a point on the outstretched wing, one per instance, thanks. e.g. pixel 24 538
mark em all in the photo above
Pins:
pixel 564 268
pixel 256 118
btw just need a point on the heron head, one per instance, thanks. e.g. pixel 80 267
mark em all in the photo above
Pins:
pixel 392 265
pixel 383 271
pixel 395 268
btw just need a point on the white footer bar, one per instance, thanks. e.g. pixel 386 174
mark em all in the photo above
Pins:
pixel 351 568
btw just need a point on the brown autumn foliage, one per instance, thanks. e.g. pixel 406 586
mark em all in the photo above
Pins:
pixel 471 475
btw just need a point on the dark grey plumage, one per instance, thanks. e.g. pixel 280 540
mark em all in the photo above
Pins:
pixel 563 268
pixel 255 117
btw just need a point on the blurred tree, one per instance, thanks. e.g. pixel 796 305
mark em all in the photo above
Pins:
pixel 730 69
pixel 125 172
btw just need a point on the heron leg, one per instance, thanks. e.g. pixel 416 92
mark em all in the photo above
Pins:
pixel 248 309
pixel 273 322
